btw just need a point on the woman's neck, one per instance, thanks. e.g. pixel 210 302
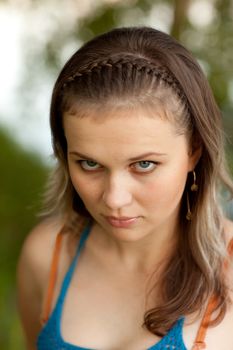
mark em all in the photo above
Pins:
pixel 142 256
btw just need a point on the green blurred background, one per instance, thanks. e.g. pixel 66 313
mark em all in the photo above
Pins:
pixel 46 34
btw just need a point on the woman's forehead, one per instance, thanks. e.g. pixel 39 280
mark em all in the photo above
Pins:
pixel 122 131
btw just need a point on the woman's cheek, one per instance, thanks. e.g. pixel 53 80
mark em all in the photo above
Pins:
pixel 86 188
pixel 78 181
pixel 166 188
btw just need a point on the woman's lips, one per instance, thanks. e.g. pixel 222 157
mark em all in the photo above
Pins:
pixel 121 222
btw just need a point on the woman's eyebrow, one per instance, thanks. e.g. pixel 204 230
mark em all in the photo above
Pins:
pixel 148 154
pixel 144 155
pixel 80 155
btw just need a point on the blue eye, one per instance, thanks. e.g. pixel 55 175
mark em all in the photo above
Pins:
pixel 145 165
pixel 88 164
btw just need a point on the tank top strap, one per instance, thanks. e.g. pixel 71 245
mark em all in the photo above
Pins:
pixel 69 274
pixel 201 334
pixel 54 269
pixel 52 279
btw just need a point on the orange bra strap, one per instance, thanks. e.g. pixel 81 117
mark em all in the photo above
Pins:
pixel 52 279
pixel 230 247
pixel 201 334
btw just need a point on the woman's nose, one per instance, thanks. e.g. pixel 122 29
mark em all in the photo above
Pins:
pixel 117 193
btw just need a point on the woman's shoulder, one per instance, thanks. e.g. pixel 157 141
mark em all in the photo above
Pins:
pixel 228 229
pixel 41 238
pixel 37 249
pixel 32 275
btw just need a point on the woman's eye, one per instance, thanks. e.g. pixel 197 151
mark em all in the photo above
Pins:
pixel 145 165
pixel 88 165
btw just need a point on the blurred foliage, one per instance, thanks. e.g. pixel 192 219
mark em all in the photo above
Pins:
pixel 23 174
pixel 22 179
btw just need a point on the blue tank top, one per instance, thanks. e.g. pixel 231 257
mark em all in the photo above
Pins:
pixel 50 337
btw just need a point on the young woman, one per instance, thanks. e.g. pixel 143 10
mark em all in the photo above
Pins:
pixel 135 251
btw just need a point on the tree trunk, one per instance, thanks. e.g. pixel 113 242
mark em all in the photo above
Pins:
pixel 179 19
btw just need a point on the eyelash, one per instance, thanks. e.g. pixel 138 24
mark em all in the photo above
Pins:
pixel 145 161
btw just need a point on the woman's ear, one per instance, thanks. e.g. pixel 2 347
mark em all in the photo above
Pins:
pixel 194 155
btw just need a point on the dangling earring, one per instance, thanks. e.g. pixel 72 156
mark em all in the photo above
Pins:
pixel 189 214
pixel 193 188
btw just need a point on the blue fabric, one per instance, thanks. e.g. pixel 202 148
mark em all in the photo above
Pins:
pixel 50 337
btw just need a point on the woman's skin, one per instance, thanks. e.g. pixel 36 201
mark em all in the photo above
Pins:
pixel 113 184
pixel 105 303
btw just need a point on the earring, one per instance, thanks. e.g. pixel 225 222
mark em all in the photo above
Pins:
pixel 194 186
pixel 189 214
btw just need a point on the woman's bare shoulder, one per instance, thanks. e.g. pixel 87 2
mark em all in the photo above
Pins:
pixel 228 229
pixel 35 258
pixel 38 245
pixel 32 275
pixel 38 248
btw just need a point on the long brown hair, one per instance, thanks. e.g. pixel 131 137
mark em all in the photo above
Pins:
pixel 143 66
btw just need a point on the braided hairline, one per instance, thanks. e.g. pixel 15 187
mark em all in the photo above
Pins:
pixel 161 72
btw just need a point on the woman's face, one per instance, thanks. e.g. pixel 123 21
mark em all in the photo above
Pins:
pixel 128 164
